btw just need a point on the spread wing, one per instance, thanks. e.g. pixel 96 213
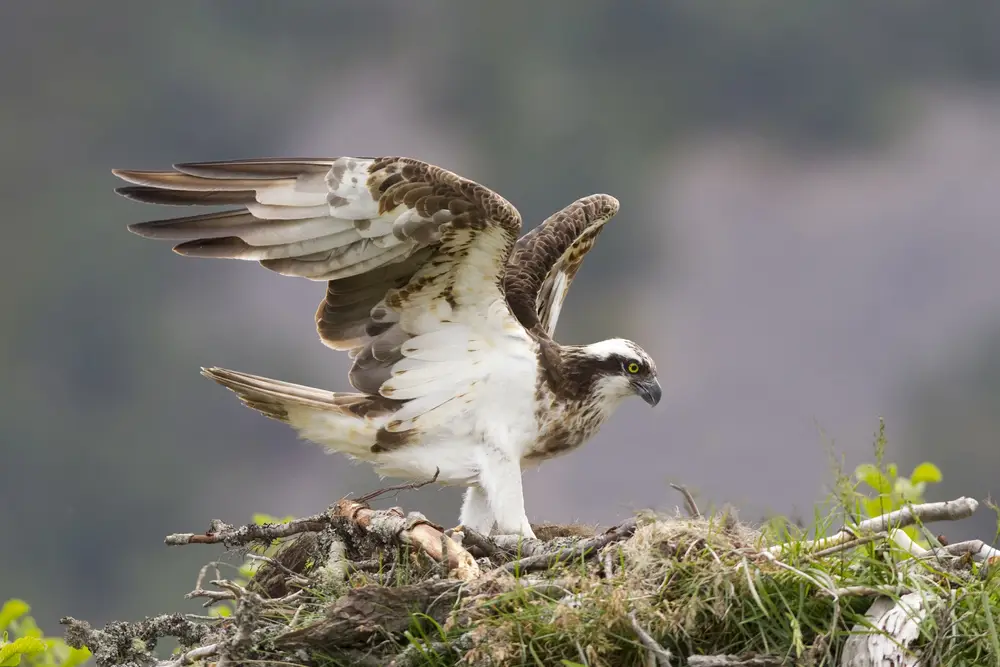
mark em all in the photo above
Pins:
pixel 413 256
pixel 546 259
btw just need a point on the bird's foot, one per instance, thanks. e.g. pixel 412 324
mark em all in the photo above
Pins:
pixel 524 533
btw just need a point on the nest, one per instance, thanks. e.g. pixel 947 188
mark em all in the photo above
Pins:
pixel 361 586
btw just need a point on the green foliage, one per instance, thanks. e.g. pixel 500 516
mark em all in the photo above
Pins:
pixel 892 491
pixel 11 652
pixel 24 644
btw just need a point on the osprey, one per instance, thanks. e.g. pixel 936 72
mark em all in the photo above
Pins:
pixel 447 315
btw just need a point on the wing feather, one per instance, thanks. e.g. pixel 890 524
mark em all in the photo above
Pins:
pixel 413 256
pixel 546 259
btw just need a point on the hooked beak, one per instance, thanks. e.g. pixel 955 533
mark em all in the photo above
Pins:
pixel 649 390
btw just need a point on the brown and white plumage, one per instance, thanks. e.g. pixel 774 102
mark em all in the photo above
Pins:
pixel 447 315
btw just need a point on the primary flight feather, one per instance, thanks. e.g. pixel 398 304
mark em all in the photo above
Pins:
pixel 447 315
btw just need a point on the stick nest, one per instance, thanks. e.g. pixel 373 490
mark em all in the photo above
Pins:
pixel 361 586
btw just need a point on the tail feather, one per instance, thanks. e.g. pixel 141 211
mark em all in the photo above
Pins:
pixel 341 421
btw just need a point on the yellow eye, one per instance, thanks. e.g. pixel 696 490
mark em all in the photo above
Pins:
pixel 633 367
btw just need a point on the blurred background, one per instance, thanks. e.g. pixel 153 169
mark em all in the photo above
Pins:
pixel 808 240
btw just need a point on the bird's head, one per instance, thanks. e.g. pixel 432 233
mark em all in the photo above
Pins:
pixel 623 369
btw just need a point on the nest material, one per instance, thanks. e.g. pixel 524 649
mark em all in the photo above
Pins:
pixel 360 586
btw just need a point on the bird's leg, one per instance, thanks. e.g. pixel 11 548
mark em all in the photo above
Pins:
pixel 500 480
pixel 476 512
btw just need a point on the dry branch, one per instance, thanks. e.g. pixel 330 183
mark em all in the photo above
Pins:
pixel 191 656
pixel 474 539
pixel 391 525
pixel 690 504
pixel 411 486
pixel 584 548
pixel 122 643
pixel 661 656
pixel 221 532
pixel 952 510
pixel 413 530
pixel 734 661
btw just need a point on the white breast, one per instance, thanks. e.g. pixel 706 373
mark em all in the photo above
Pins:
pixel 495 409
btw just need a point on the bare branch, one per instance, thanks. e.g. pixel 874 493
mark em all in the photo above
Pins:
pixel 847 546
pixel 191 656
pixel 584 548
pixel 294 578
pixel 977 548
pixel 121 643
pixel 391 525
pixel 518 544
pixel 211 596
pixel 412 486
pixel 692 506
pixel 608 564
pixel 735 661
pixel 952 510
pixel 870 591
pixel 662 655
pixel 476 539
pixel 251 532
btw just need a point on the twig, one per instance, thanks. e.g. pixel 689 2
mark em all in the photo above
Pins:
pixel 663 656
pixel 952 510
pixel 978 549
pixel 692 506
pixel 242 593
pixel 474 538
pixel 203 572
pixel 411 486
pixel 251 532
pixel 231 586
pixel 390 574
pixel 871 591
pixel 391 524
pixel 191 656
pixel 583 548
pixel 294 578
pixel 372 565
pixel 295 616
pixel 122 643
pixel 847 546
pixel 519 545
pixel 211 596
pixel 608 564
pixel 734 661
